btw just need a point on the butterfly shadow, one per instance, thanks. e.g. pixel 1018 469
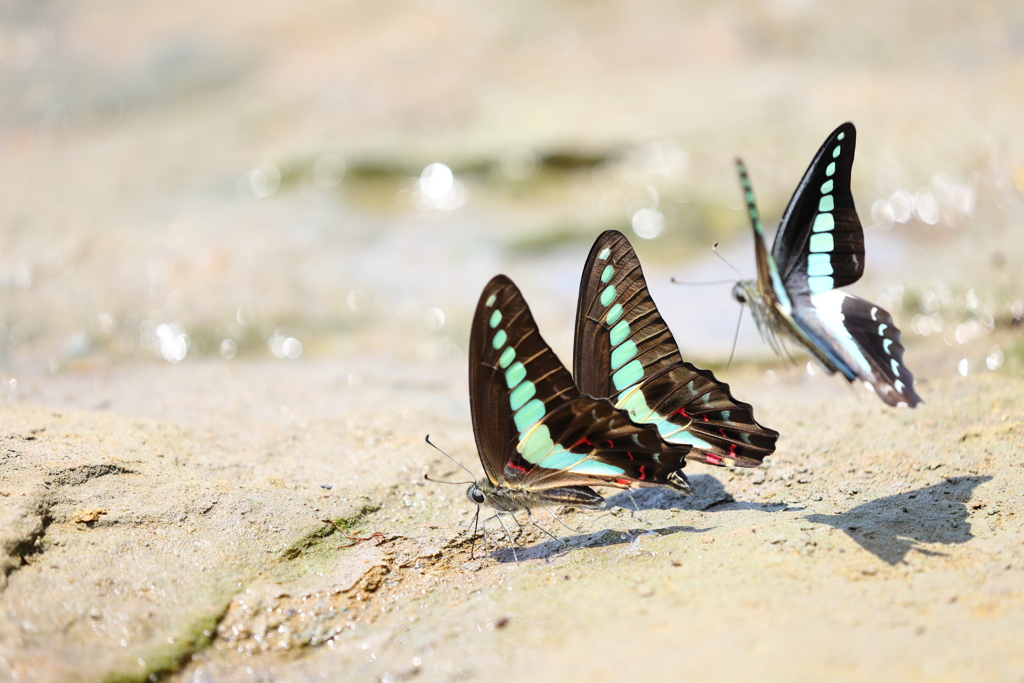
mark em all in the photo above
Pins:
pixel 708 494
pixel 891 527
pixel 604 537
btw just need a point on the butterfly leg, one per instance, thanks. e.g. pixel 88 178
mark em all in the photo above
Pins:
pixel 559 520
pixel 637 507
pixel 534 522
pixel 472 544
pixel 510 539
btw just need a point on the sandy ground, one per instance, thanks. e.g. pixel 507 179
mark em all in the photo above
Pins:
pixel 231 309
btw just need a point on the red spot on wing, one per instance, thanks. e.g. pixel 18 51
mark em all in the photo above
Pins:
pixel 722 432
pixel 514 466
pixel 622 482
pixel 681 411
pixel 705 417
pixel 584 440
pixel 630 455
pixel 643 475
pixel 732 448
pixel 712 459
pixel 611 444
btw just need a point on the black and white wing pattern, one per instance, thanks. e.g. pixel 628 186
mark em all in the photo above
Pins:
pixel 624 351
pixel 818 248
pixel 533 428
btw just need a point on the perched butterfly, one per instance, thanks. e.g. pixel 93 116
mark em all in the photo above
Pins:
pixel 540 441
pixel 624 351
pixel 820 246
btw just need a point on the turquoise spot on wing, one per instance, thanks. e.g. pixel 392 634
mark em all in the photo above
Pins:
pixel 529 414
pixel 689 438
pixel 605 253
pixel 607 273
pixel 840 136
pixel 821 242
pixel 824 222
pixel 881 329
pixel 495 319
pixel 886 344
pixel 618 333
pixel 635 403
pixel 895 367
pixel 491 299
pixel 507 356
pixel 830 170
pixel 725 415
pixel 515 374
pixel 560 459
pixel 826 187
pixel 521 394
pixel 537 445
pixel 818 266
pixel 835 152
pixel 820 283
pixel 898 386
pixel 827 203
pixel 614 313
pixel 608 295
pixel 596 468
pixel 499 339
pixel 623 353
pixel 628 375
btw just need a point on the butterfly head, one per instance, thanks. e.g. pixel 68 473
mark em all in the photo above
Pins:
pixel 739 293
pixel 475 494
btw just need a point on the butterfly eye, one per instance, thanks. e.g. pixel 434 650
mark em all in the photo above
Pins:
pixel 475 495
pixel 739 294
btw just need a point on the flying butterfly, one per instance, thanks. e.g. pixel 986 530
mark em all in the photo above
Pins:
pixel 818 248
pixel 540 441
pixel 625 352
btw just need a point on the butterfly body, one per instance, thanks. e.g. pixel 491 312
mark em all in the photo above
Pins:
pixel 508 499
pixel 625 352
pixel 540 441
pixel 818 248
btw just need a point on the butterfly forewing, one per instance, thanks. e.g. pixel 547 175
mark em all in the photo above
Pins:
pixel 533 428
pixel 820 242
pixel 624 351
pixel 515 378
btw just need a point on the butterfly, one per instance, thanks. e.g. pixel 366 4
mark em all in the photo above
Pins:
pixel 819 247
pixel 539 439
pixel 625 352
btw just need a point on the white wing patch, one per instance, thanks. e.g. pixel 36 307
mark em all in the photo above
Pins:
pixel 829 306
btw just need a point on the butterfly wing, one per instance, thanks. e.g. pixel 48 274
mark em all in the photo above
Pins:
pixel 624 351
pixel 820 247
pixel 820 242
pixel 533 428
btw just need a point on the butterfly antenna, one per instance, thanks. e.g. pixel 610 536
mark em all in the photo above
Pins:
pixel 735 337
pixel 427 439
pixel 701 284
pixel 714 248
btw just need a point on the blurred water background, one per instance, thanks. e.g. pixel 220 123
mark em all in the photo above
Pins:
pixel 198 187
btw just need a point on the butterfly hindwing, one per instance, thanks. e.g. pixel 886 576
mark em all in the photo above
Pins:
pixel 860 340
pixel 624 351
pixel 533 428
pixel 820 242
